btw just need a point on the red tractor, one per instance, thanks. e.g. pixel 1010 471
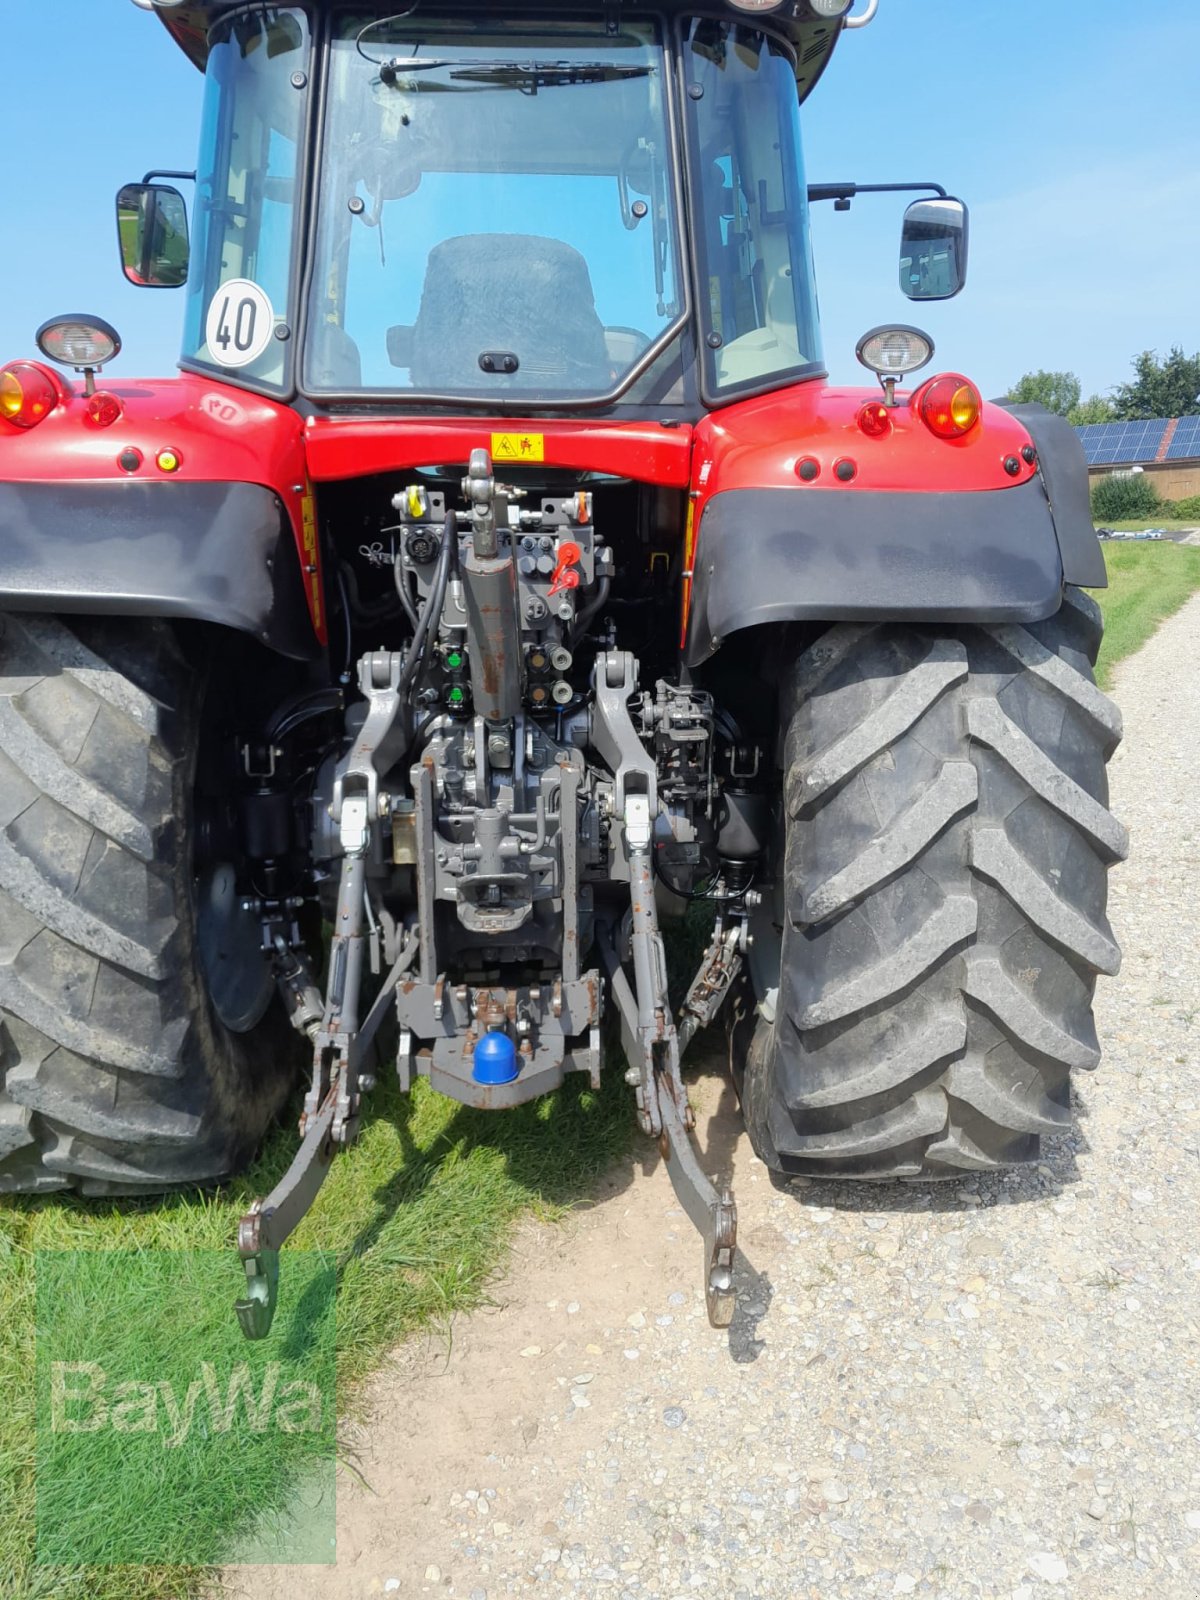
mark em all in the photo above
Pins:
pixel 500 575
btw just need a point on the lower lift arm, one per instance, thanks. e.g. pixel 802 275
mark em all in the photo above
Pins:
pixel 652 1047
pixel 269 1222
pixel 331 1107
pixel 651 1041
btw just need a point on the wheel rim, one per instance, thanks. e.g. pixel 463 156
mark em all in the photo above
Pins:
pixel 229 943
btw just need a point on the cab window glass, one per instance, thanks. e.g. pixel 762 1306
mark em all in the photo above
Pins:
pixel 757 301
pixel 496 213
pixel 247 182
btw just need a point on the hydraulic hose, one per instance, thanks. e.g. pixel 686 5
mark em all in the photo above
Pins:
pixel 433 606
pixel 589 611
pixel 405 593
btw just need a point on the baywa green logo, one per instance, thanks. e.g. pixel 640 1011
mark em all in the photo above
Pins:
pixel 80 1402
pixel 162 1435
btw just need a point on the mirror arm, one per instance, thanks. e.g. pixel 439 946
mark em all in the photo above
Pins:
pixel 847 191
pixel 152 177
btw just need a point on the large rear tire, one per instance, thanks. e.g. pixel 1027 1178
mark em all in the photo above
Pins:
pixel 117 1075
pixel 940 906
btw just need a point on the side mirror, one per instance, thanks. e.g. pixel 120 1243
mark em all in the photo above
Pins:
pixel 152 228
pixel 933 249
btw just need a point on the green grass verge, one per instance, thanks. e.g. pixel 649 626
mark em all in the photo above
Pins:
pixel 186 1434
pixel 1147 583
pixel 418 1215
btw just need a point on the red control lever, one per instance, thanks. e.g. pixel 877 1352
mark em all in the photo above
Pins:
pixel 569 555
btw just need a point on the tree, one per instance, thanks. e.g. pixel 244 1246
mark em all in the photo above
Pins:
pixel 1096 408
pixel 1057 391
pixel 1166 388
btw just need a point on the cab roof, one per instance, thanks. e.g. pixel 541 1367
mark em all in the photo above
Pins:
pixel 812 37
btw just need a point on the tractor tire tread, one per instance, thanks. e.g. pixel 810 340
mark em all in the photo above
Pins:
pixel 940 912
pixel 116 1076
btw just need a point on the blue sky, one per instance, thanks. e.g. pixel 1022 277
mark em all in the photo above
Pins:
pixel 1071 128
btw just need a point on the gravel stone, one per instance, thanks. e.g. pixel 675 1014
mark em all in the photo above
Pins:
pixel 1048 1567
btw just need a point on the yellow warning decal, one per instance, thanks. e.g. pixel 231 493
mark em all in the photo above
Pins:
pixel 312 570
pixel 518 447
pixel 689 556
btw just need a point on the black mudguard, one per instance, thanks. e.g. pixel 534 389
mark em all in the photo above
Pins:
pixel 787 555
pixel 215 552
pixel 1063 467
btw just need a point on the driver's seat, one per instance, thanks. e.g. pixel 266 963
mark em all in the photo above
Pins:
pixel 509 293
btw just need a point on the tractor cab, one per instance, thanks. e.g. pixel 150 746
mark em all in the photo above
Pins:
pixel 607 210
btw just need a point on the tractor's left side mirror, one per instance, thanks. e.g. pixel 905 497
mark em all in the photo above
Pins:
pixel 933 249
pixel 152 227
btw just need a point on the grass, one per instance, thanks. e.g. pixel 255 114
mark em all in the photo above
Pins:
pixel 157 1418
pixel 1147 583
pixel 417 1215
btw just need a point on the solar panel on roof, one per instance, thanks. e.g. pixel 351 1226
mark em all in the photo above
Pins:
pixel 1186 440
pixel 1123 443
pixel 1128 444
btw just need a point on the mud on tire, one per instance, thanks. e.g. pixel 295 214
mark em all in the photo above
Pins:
pixel 116 1075
pixel 940 910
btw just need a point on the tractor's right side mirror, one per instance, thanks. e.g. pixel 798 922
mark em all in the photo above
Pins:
pixel 152 227
pixel 933 249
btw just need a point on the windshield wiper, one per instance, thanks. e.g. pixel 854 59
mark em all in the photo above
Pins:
pixel 527 76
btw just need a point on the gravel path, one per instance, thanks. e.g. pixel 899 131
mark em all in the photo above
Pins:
pixel 984 1390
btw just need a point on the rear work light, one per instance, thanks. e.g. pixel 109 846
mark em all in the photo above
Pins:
pixel 28 394
pixel 949 405
pixel 79 342
pixel 83 342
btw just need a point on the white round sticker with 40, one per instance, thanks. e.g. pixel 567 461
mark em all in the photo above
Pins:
pixel 240 323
